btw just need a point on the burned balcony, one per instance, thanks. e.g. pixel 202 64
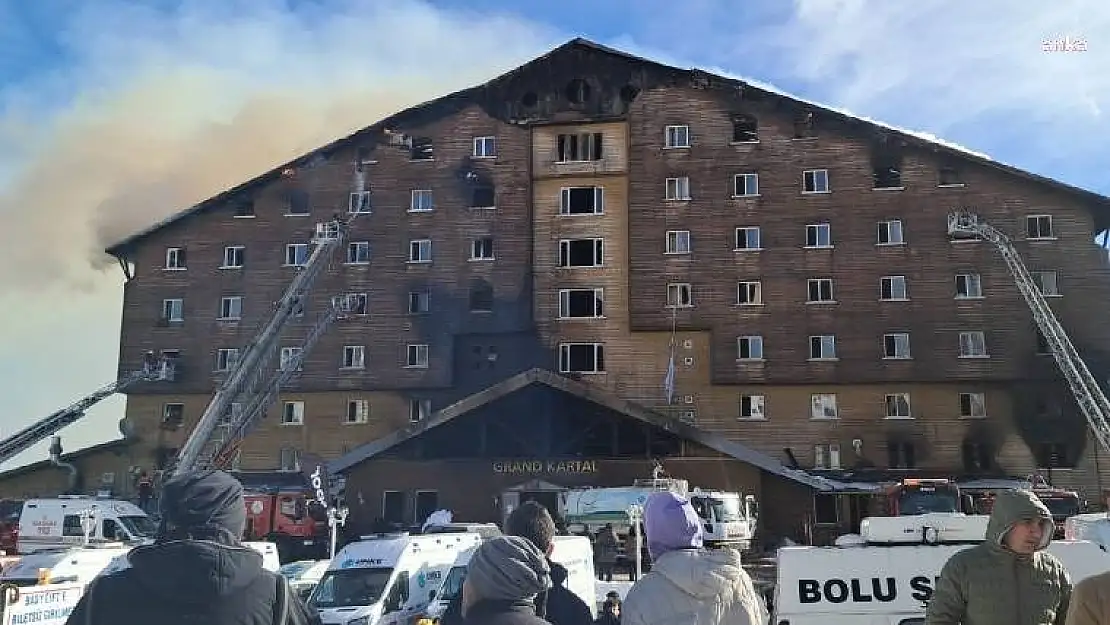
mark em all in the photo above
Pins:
pixel 886 172
pixel 745 129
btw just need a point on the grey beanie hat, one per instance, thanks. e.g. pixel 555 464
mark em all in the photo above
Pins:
pixel 508 568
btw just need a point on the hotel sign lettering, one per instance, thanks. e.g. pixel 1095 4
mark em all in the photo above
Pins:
pixel 546 466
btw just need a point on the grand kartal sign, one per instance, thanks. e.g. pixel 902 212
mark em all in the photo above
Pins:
pixel 546 466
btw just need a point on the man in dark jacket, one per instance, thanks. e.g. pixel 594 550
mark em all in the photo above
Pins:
pixel 557 605
pixel 197 571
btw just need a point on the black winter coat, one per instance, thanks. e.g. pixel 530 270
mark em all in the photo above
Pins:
pixel 189 582
pixel 559 606
pixel 503 613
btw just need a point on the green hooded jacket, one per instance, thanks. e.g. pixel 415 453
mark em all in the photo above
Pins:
pixel 990 585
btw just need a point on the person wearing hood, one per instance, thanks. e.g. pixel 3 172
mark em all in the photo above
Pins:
pixel 197 571
pixel 558 605
pixel 687 583
pixel 503 579
pixel 1009 578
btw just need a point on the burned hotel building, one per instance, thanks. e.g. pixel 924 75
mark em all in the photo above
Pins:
pixel 530 253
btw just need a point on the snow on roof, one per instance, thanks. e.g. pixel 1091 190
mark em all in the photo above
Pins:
pixel 924 136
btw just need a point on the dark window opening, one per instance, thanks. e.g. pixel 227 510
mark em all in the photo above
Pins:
pixel 419 302
pixel 580 303
pixel 581 358
pixel 422 149
pixel 585 146
pixel 901 455
pixel 481 297
pixel 628 93
pixel 298 202
pixel 826 509
pixel 977 457
pixel 173 416
pixel 745 129
pixel 427 502
pixel 393 506
pixel 1054 456
pixel 580 253
pixel 582 201
pixel 804 126
pixel 483 197
pixel 485 359
pixel 529 99
pixel 886 171
pixel 244 208
pixel 578 91
pixel 950 176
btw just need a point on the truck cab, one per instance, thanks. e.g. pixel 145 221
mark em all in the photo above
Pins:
pixel 910 497
pixel 727 520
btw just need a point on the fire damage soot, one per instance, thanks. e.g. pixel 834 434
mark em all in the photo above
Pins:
pixel 866 590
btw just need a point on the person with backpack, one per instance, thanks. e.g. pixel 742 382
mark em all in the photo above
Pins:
pixel 197 571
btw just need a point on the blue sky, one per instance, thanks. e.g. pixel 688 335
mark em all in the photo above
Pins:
pixel 143 107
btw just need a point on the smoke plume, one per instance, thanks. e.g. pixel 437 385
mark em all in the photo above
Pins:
pixel 158 108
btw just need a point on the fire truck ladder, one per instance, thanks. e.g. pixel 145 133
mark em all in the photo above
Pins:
pixel 154 369
pixel 253 382
pixel 1092 401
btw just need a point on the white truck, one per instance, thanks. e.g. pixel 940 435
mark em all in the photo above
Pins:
pixel 887 573
pixel 729 519
pixel 575 553
pixel 73 520
pixel 387 579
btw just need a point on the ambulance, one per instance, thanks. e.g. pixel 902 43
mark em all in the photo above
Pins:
pixel 887 573
pixel 387 579
pixel 575 553
pixel 60 522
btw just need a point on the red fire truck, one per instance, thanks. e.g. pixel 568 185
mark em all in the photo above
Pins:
pixel 921 496
pixel 278 510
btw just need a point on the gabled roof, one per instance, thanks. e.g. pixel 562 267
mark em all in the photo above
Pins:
pixel 118 444
pixel 588 392
pixel 460 99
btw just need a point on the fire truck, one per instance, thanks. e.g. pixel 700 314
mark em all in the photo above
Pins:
pixel 915 496
pixel 1062 503
pixel 279 511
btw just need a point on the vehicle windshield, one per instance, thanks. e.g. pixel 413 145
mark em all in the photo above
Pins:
pixel 452 586
pixel 725 509
pixel 293 570
pixel 140 526
pixel 924 501
pixel 350 588
pixel 1062 506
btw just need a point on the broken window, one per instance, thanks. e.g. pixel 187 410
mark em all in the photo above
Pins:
pixel 901 455
pixel 898 406
pixel 483 197
pixel 973 405
pixel 680 295
pixel 173 416
pixel 578 91
pixel 244 208
pixel 950 176
pixel 977 456
pixel 298 202
pixel 896 346
pixel 481 297
pixel 581 358
pixel 579 147
pixel 804 126
pixel 886 171
pixel 1054 455
pixel 745 129
pixel 581 303
pixel 582 201
pixel 357 303
pixel 422 149
pixel 581 252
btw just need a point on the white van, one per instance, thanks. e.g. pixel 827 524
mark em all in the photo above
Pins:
pixel 55 523
pixel 73 565
pixel 575 553
pixel 884 585
pixel 387 579
pixel 303 575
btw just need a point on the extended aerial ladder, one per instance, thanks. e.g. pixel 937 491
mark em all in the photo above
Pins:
pixel 154 369
pixel 1088 394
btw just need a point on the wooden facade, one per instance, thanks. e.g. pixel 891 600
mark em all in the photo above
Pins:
pixel 661 148
pixel 104 467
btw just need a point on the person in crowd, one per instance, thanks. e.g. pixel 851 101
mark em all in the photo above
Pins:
pixel 503 579
pixel 1090 602
pixel 687 583
pixel 631 550
pixel 196 571
pixel 558 605
pixel 1009 578
pixel 610 609
pixel 606 550
pixel 144 488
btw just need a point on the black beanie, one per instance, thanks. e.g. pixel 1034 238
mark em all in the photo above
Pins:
pixel 203 505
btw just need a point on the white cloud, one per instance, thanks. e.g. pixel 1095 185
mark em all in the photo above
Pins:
pixel 160 110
